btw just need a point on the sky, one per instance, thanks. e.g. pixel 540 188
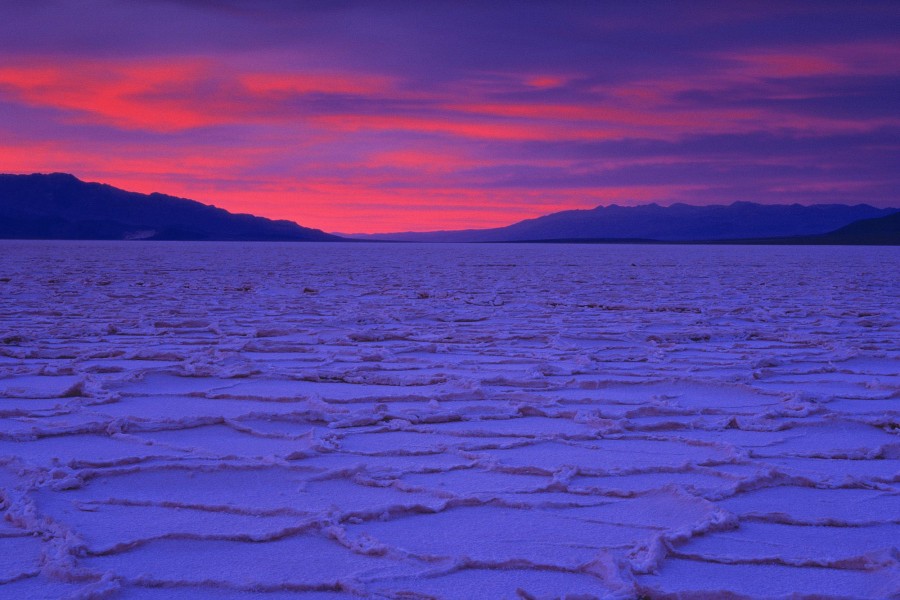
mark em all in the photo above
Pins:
pixel 382 116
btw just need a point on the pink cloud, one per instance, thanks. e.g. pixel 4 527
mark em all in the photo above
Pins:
pixel 116 93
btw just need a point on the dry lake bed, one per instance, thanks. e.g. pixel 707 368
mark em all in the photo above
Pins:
pixel 402 421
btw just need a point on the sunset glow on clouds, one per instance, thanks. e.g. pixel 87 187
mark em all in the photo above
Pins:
pixel 391 116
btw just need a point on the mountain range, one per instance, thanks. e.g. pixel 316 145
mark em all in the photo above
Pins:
pixel 881 231
pixel 675 223
pixel 60 206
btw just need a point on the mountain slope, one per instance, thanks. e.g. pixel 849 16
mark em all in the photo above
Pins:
pixel 60 206
pixel 882 231
pixel 679 222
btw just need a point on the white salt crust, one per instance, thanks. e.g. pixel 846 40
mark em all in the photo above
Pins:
pixel 333 421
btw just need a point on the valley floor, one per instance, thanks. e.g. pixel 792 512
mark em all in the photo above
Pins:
pixel 331 421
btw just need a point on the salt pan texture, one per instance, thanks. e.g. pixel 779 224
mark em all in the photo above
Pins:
pixel 189 420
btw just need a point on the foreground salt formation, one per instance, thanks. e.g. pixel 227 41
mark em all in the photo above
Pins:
pixel 360 420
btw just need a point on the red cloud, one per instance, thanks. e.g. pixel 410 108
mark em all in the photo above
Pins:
pixel 172 96
pixel 120 94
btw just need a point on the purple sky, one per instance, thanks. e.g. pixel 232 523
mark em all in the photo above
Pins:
pixel 387 116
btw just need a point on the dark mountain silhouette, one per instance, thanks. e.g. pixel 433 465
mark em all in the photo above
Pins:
pixel 60 206
pixel 676 223
pixel 881 231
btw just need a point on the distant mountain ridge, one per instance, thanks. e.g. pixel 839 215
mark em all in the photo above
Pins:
pixel 61 206
pixel 675 223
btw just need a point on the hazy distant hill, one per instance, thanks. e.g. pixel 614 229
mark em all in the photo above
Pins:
pixel 679 222
pixel 60 206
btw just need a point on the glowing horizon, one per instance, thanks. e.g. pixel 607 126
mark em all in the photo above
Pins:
pixel 386 117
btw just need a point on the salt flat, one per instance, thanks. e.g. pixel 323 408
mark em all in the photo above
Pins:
pixel 213 420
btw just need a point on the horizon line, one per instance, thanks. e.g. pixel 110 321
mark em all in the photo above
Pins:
pixel 350 235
